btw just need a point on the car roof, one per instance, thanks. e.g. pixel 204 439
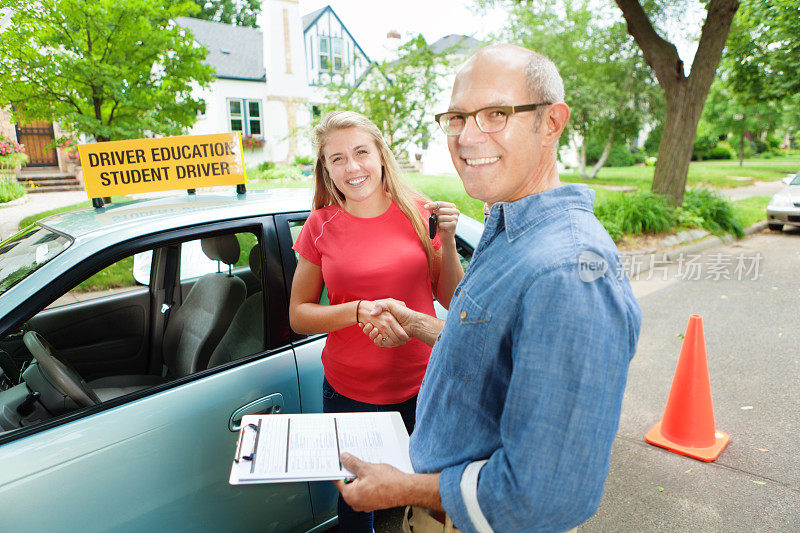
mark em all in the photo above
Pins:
pixel 175 211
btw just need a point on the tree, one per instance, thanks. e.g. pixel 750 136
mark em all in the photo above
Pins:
pixel 609 89
pixel 398 96
pixel 685 95
pixel 726 112
pixel 762 59
pixel 108 69
pixel 237 12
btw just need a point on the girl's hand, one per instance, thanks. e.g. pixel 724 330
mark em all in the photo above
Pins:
pixel 386 330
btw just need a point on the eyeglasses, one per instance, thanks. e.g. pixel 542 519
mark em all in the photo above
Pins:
pixel 489 119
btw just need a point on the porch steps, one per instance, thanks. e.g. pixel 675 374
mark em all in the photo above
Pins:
pixel 40 181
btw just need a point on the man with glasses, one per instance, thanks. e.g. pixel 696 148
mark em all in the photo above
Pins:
pixel 521 400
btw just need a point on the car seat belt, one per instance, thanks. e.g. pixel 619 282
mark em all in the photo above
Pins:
pixel 158 361
pixel 170 271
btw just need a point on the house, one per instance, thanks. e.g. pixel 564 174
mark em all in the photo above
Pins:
pixel 270 81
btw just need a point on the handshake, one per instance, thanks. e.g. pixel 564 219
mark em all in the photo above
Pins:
pixel 388 322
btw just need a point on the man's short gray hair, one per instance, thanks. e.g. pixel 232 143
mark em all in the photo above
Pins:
pixel 544 81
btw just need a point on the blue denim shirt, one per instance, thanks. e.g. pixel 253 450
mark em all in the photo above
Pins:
pixel 529 370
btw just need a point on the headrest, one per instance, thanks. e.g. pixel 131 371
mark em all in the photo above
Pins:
pixel 255 261
pixel 223 248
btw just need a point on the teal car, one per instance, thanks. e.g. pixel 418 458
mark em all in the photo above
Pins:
pixel 133 338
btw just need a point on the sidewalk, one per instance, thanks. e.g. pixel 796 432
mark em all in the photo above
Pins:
pixel 31 204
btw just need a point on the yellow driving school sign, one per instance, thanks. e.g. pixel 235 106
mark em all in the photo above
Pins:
pixel 146 165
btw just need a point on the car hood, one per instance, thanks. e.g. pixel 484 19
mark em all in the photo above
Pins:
pixel 792 192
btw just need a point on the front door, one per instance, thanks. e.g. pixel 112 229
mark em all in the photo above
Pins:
pixel 38 138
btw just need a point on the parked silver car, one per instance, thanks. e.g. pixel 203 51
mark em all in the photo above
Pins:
pixel 784 208
pixel 133 338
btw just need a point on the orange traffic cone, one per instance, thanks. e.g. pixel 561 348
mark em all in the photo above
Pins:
pixel 688 426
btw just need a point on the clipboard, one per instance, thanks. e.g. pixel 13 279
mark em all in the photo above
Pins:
pixel 282 448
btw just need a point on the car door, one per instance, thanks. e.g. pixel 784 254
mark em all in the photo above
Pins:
pixel 159 459
pixel 308 351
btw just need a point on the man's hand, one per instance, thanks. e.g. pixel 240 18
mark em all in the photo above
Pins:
pixel 376 486
pixel 384 328
pixel 401 315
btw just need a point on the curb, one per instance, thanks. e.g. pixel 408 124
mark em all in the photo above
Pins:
pixel 660 258
pixel 13 203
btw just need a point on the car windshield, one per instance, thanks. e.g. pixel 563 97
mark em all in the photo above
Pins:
pixel 26 251
pixel 796 180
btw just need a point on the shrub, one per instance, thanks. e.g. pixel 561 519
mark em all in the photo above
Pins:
pixel 620 155
pixel 638 213
pixel 266 166
pixel 10 189
pixel 758 145
pixel 654 139
pixel 716 212
pixel 281 172
pixel 722 150
pixel 688 219
pixel 704 142
pixel 773 141
pixel 303 160
pixel 612 228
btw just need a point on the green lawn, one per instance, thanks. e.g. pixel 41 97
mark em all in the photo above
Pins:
pixel 751 210
pixel 716 174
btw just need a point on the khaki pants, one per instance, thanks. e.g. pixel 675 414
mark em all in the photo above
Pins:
pixel 419 520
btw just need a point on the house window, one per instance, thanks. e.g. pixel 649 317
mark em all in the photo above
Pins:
pixel 245 116
pixel 324 53
pixel 254 116
pixel 235 115
pixel 338 54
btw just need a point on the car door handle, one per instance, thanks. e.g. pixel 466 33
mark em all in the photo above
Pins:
pixel 267 405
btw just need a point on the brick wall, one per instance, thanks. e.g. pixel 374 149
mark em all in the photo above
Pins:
pixel 6 127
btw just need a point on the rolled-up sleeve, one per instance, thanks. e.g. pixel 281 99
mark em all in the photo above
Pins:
pixel 571 345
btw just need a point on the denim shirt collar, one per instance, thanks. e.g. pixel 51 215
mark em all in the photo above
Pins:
pixel 520 216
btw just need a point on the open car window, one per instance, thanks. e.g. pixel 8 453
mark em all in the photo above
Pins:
pixel 116 333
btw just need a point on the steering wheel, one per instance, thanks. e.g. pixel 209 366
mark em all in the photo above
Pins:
pixel 64 376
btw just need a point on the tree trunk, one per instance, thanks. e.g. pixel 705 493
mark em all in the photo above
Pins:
pixel 685 96
pixel 604 155
pixel 675 149
pixel 582 159
pixel 741 149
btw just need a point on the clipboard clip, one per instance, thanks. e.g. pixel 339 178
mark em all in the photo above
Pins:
pixel 252 454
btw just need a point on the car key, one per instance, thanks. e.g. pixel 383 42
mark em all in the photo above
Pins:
pixel 433 225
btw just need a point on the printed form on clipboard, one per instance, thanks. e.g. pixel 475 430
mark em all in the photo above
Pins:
pixel 306 447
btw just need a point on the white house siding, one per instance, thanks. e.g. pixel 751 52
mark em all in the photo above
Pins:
pixel 354 61
pixel 216 119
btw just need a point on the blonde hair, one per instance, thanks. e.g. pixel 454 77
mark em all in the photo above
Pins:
pixel 326 193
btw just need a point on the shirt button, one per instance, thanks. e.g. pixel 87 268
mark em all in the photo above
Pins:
pixel 463 315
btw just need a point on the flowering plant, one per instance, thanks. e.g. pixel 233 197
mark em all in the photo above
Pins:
pixel 8 147
pixel 68 145
pixel 12 155
pixel 251 143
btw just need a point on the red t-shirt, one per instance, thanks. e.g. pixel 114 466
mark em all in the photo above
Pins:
pixel 370 259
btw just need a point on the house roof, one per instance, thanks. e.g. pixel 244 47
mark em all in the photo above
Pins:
pixel 235 52
pixel 312 17
pixel 460 44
